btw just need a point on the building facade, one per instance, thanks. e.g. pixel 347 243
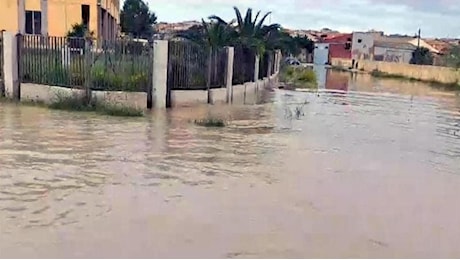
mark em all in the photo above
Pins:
pixel 393 52
pixel 56 17
pixel 362 45
pixel 339 46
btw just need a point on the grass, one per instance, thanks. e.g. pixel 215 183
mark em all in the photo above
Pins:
pixel 79 103
pixel 27 103
pixel 299 77
pixel 210 122
pixel 340 68
pixel 448 86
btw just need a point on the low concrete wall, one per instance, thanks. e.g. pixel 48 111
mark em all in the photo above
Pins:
pixel 428 73
pixel 46 94
pixel 247 93
pixel 188 97
pixel 49 94
pixel 420 72
pixel 218 95
pixel 126 99
pixel 339 62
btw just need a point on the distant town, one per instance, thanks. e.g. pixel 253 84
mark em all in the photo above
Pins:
pixel 329 43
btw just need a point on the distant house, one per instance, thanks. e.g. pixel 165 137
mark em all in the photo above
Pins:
pixel 305 56
pixel 392 48
pixel 339 45
pixel 362 44
pixel 442 47
pixel 393 51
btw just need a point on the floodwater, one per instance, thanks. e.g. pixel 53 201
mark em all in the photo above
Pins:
pixel 360 168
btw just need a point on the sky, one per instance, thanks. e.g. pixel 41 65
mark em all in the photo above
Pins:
pixel 436 18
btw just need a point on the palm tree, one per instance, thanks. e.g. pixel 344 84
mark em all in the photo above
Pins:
pixel 248 31
pixel 214 34
pixel 218 33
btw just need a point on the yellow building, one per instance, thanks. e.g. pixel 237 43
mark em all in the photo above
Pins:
pixel 56 17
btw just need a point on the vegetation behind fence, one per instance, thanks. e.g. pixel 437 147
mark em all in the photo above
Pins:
pixel 119 65
pixel 191 66
pixel 243 65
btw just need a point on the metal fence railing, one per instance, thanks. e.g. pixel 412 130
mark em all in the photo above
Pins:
pixel 188 65
pixel 118 65
pixel 264 64
pixel 122 65
pixel 243 65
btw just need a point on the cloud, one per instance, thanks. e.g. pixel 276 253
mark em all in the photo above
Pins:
pixel 436 18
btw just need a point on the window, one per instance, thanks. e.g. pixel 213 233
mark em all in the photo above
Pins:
pixel 85 14
pixel 360 40
pixel 33 22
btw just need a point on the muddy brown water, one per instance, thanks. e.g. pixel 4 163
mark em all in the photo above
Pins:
pixel 361 168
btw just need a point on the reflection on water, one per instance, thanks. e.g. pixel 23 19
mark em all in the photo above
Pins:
pixel 361 168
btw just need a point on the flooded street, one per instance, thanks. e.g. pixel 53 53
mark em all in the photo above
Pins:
pixel 360 168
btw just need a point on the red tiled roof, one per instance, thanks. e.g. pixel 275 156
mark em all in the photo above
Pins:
pixel 338 38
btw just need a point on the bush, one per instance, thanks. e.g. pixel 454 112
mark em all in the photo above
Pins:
pixel 105 80
pixel 81 103
pixel 210 122
pixel 298 76
pixel 306 76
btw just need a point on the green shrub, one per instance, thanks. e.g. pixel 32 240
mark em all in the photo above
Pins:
pixel 210 122
pixel 106 80
pixel 306 76
pixel 298 76
pixel 81 103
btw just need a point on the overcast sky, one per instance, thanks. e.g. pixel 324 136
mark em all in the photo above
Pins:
pixel 436 18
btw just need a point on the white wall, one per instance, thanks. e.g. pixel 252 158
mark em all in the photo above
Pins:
pixel 321 53
pixel 393 55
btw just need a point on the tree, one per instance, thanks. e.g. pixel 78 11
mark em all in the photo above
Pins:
pixel 305 43
pixel 77 35
pixel 216 33
pixel 248 31
pixel 79 30
pixel 453 57
pixel 422 56
pixel 137 20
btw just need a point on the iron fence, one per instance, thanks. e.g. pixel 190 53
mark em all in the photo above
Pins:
pixel 2 85
pixel 267 64
pixel 118 65
pixel 122 65
pixel 243 65
pixel 188 65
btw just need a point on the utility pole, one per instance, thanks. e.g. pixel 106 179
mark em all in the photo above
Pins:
pixel 418 38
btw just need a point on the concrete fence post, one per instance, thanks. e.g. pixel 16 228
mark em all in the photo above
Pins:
pixel 10 65
pixel 256 67
pixel 229 74
pixel 161 93
pixel 277 61
pixel 270 64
